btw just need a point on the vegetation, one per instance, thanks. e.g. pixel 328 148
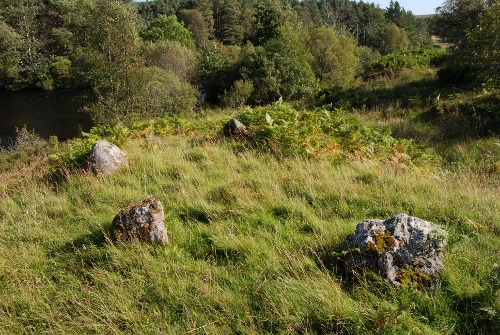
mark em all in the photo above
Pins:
pixel 253 232
pixel 351 114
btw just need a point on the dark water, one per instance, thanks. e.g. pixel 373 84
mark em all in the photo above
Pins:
pixel 47 113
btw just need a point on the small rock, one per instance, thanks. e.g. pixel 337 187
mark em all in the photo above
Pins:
pixel 234 128
pixel 143 220
pixel 404 250
pixel 106 157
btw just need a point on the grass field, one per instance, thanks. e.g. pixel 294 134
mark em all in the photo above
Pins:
pixel 253 234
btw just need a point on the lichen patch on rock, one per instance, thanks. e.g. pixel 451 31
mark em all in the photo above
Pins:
pixel 405 250
pixel 143 220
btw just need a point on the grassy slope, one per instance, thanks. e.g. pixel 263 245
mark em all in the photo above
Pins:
pixel 252 241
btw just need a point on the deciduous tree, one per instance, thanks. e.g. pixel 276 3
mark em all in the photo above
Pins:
pixel 333 55
pixel 10 42
pixel 165 28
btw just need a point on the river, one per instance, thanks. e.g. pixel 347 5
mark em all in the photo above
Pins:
pixel 48 113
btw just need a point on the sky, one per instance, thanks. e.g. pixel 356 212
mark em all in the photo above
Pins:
pixel 419 7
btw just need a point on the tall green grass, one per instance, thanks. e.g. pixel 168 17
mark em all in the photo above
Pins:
pixel 253 243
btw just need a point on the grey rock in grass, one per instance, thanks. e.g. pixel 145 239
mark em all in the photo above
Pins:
pixel 106 157
pixel 234 128
pixel 405 250
pixel 143 220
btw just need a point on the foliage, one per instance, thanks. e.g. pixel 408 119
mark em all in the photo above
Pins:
pixel 227 22
pixel 213 69
pixel 10 41
pixel 76 154
pixel 238 95
pixel 155 93
pixel 278 69
pixel 27 140
pixel 167 28
pixel 194 21
pixel 333 56
pixel 395 39
pixel 269 18
pixel 160 93
pixel 173 57
pixel 458 74
pixel 469 113
pixel 24 36
pixel 481 51
pixel 394 63
pixel 456 18
pixel 109 53
pixel 322 133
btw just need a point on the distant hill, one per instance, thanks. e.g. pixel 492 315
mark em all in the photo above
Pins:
pixel 425 16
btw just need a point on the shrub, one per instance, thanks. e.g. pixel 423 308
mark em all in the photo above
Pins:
pixel 328 134
pixel 171 56
pixel 394 63
pixel 238 94
pixel 167 28
pixel 160 93
pixel 153 93
pixel 333 56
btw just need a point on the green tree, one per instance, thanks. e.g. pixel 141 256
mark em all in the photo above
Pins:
pixel 159 93
pixel 22 17
pixel 205 8
pixel 268 20
pixel 483 49
pixel 167 28
pixel 109 56
pixel 309 13
pixel 173 57
pixel 213 70
pixel 456 17
pixel 194 21
pixel 227 27
pixel 395 39
pixel 10 42
pixel 278 69
pixel 333 55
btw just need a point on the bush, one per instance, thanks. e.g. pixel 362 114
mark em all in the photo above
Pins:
pixel 328 134
pixel 458 75
pixel 394 63
pixel 160 93
pixel 165 28
pixel 238 94
pixel 333 56
pixel 171 56
pixel 153 93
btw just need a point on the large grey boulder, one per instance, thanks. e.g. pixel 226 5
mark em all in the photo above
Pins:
pixel 405 250
pixel 106 157
pixel 143 220
pixel 234 128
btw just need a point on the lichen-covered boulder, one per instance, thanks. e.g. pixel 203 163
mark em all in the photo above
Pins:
pixel 106 157
pixel 405 250
pixel 143 220
pixel 234 128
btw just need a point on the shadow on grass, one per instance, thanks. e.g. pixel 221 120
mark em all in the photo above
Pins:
pixel 94 238
pixel 413 94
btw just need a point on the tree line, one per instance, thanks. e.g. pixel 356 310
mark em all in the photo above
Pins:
pixel 153 58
